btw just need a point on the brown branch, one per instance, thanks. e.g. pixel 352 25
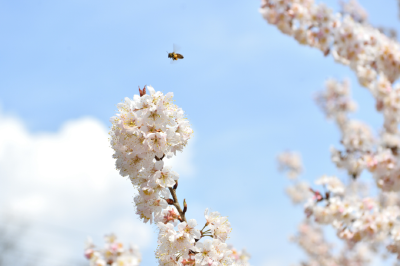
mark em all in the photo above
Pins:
pixel 176 203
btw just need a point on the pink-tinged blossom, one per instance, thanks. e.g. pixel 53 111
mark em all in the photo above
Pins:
pixel 310 237
pixel 212 217
pixel 335 101
pixel 221 229
pixel 332 183
pixel 157 142
pixel 290 162
pixel 114 253
pixel 241 257
pixel 206 253
pixel 299 192
pixel 189 230
pixel 166 178
pixel 219 226
pixel 171 243
pixel 168 215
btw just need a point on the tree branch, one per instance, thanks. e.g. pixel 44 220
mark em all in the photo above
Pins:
pixel 176 203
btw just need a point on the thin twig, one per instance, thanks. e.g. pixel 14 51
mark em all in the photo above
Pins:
pixel 176 203
pixel 175 198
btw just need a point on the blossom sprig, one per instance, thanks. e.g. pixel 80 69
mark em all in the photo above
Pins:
pixel 113 254
pixel 147 129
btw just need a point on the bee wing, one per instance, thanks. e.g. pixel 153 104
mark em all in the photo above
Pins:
pixel 176 47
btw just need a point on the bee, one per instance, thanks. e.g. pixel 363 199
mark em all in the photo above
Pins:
pixel 175 56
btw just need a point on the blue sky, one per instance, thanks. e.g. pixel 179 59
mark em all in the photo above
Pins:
pixel 246 88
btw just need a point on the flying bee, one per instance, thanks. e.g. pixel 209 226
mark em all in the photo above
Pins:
pixel 175 56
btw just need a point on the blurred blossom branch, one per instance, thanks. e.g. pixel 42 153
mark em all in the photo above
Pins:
pixel 114 253
pixel 362 220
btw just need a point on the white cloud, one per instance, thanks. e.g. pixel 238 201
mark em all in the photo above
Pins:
pixel 67 179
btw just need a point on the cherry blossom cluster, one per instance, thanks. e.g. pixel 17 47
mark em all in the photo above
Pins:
pixel 147 129
pixel 291 164
pixel 357 138
pixel 181 246
pixel 240 258
pixel 298 192
pixel 365 49
pixel 330 207
pixel 354 218
pixel 114 253
pixel 387 96
pixel 355 10
pixel 310 237
pixel 335 101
